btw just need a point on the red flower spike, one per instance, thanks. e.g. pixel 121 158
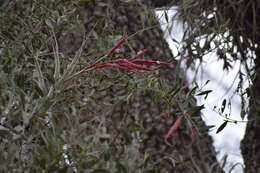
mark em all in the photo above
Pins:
pixel 131 65
pixel 128 69
pixel 119 61
pixel 173 128
pixel 120 43
pixel 139 54
pixel 150 62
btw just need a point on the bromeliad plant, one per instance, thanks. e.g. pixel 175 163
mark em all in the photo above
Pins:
pixel 63 81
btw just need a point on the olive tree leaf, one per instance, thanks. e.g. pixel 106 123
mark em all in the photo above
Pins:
pixel 222 127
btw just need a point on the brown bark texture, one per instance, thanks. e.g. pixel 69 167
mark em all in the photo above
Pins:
pixel 248 27
pixel 250 145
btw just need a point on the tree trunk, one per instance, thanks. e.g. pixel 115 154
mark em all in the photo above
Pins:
pixel 184 152
pixel 250 145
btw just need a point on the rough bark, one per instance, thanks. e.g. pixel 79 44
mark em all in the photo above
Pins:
pixel 250 31
pixel 250 145
pixel 184 152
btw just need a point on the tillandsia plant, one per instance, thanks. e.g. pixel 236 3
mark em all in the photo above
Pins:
pixel 132 65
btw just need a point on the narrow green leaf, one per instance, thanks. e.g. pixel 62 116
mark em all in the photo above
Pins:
pixel 204 93
pixel 207 82
pixel 222 127
pixel 7 35
pixel 174 91
pixel 166 17
pixel 223 105
pixel 224 160
pixel 38 90
pixel 19 79
pixel 196 109
pixel 68 74
pixel 209 127
pixel 57 57
pixel 192 91
pixel 40 82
